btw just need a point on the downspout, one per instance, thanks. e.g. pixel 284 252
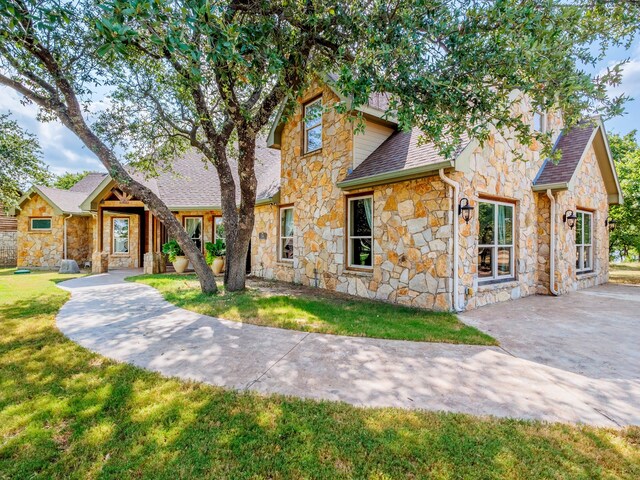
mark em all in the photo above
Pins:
pixel 552 245
pixel 456 240
pixel 64 229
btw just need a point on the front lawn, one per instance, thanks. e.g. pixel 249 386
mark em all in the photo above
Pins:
pixel 628 273
pixel 68 413
pixel 281 305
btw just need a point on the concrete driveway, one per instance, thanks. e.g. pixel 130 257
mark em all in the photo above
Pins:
pixel 569 359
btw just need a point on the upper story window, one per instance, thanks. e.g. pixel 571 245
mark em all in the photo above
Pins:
pixel 313 126
pixel 540 122
pixel 584 245
pixel 360 233
pixel 193 226
pixel 286 233
pixel 40 223
pixel 120 235
pixel 218 229
pixel 495 242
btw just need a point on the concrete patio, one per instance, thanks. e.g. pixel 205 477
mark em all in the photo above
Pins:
pixel 569 359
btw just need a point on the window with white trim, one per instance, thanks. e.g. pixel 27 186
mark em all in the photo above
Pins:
pixel 193 226
pixel 40 223
pixel 120 229
pixel 539 122
pixel 360 232
pixel 495 240
pixel 584 239
pixel 286 233
pixel 313 126
pixel 218 229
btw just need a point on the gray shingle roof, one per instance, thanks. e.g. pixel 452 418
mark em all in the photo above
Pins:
pixel 66 200
pixel 192 182
pixel 401 151
pixel 572 145
pixel 88 183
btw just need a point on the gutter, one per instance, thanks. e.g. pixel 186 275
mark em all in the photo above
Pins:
pixel 550 186
pixel 456 240
pixel 395 176
pixel 552 245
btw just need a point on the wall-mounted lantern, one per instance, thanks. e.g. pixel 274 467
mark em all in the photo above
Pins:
pixel 569 218
pixel 610 223
pixel 465 210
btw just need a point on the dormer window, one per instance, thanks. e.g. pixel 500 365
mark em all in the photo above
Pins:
pixel 313 126
pixel 539 122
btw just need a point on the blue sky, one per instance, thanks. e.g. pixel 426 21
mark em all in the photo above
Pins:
pixel 64 152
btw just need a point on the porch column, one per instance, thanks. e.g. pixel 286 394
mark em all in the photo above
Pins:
pixel 100 259
pixel 153 261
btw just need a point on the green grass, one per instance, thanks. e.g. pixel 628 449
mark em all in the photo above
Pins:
pixel 312 310
pixel 68 413
pixel 627 273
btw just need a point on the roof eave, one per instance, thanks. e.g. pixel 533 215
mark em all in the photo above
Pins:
pixel 272 200
pixel 395 176
pixel 86 204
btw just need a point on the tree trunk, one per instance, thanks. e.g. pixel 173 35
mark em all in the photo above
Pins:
pixel 150 199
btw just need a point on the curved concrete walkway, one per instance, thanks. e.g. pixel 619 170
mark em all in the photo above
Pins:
pixel 131 322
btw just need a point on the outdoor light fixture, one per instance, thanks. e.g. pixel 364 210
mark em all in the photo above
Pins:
pixel 611 223
pixel 464 209
pixel 569 218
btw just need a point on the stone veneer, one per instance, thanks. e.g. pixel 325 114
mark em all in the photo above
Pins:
pixel 45 249
pixel 39 249
pixel 413 221
pixel 8 249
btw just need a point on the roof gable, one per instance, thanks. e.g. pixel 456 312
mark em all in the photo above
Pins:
pixel 62 201
pixel 573 145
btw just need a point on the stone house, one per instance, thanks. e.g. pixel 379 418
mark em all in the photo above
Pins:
pixel 370 210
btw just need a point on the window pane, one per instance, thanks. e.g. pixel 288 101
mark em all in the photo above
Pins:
pixel 41 223
pixel 586 262
pixel 314 138
pixel 313 114
pixel 219 228
pixel 194 229
pixel 505 225
pixel 361 217
pixel 538 122
pixel 487 217
pixel 286 248
pixel 504 261
pixel 579 229
pixel 578 258
pixel 485 265
pixel 286 225
pixel 587 228
pixel 361 252
pixel 121 235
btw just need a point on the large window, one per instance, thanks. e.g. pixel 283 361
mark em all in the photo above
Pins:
pixel 40 223
pixel 313 126
pixel 120 228
pixel 584 239
pixel 218 229
pixel 360 239
pixel 495 243
pixel 286 233
pixel 193 226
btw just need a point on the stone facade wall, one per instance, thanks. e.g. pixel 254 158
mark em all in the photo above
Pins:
pixel 39 249
pixel 122 260
pixel 80 239
pixel 8 249
pixel 412 221
pixel 587 192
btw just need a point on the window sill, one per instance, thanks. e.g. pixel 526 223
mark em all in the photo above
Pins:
pixel 497 284
pixel 285 263
pixel 40 231
pixel 123 255
pixel 368 272
pixel 312 152
pixel 586 274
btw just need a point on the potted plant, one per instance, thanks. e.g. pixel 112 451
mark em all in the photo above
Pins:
pixel 176 255
pixel 215 255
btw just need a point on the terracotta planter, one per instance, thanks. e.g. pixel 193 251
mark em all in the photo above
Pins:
pixel 217 265
pixel 180 264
